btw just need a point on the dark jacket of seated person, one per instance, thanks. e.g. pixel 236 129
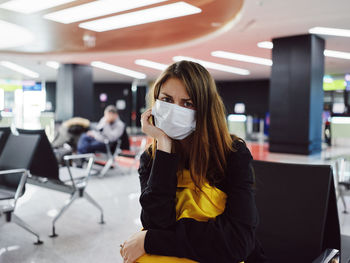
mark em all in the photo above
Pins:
pixel 110 127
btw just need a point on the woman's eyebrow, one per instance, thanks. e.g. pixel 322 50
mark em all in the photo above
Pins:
pixel 165 94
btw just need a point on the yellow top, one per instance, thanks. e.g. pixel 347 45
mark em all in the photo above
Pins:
pixel 199 205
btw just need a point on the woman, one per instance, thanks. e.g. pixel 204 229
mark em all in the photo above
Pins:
pixel 196 180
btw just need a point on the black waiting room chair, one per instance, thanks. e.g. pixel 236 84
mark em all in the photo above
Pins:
pixel 298 211
pixel 4 134
pixel 45 172
pixel 15 159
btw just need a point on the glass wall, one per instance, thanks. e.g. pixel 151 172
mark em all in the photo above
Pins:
pixel 23 105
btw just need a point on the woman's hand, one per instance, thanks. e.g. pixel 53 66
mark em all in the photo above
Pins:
pixel 90 134
pixel 163 141
pixel 133 248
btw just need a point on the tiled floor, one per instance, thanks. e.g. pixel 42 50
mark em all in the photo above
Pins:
pixel 81 238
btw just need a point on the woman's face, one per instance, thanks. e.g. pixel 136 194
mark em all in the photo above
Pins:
pixel 173 91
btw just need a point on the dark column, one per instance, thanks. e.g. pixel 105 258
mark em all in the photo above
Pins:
pixel 74 93
pixel 140 103
pixel 296 94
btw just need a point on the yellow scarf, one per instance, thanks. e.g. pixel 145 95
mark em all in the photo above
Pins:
pixel 199 205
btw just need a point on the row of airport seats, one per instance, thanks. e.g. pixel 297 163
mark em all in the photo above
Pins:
pixel 14 166
pixel 121 149
pixel 296 203
pixel 29 158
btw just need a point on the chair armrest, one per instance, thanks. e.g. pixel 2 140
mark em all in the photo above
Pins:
pixel 78 156
pixel 327 255
pixel 13 171
pixel 88 156
pixel 20 184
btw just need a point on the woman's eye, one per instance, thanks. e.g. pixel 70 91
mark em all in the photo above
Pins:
pixel 165 99
pixel 188 104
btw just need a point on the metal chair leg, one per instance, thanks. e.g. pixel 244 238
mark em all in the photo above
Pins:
pixel 339 168
pixel 94 203
pixel 341 195
pixel 25 226
pixel 106 168
pixel 64 208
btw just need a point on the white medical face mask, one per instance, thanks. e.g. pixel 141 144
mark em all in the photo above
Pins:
pixel 176 121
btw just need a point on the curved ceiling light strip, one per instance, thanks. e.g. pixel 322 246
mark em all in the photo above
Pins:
pixel 20 69
pixel 330 31
pixel 32 6
pixel 336 54
pixel 215 66
pixel 144 16
pixel 13 35
pixel 150 64
pixel 241 57
pixel 117 69
pixel 96 9
pixel 265 44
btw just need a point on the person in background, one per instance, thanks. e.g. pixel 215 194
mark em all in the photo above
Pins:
pixel 70 131
pixel 197 194
pixel 66 140
pixel 110 128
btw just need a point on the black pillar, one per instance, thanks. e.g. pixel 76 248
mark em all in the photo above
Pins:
pixel 74 92
pixel 296 94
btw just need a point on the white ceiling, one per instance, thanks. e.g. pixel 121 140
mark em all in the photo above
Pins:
pixel 260 20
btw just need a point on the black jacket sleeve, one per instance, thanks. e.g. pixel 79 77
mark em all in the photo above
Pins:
pixel 228 238
pixel 158 190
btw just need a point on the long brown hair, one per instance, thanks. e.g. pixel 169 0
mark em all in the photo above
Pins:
pixel 211 140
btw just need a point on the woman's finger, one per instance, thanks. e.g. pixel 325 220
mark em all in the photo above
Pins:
pixel 145 124
pixel 145 116
pixel 148 111
pixel 122 250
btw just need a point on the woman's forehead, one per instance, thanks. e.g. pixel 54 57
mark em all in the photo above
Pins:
pixel 174 87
